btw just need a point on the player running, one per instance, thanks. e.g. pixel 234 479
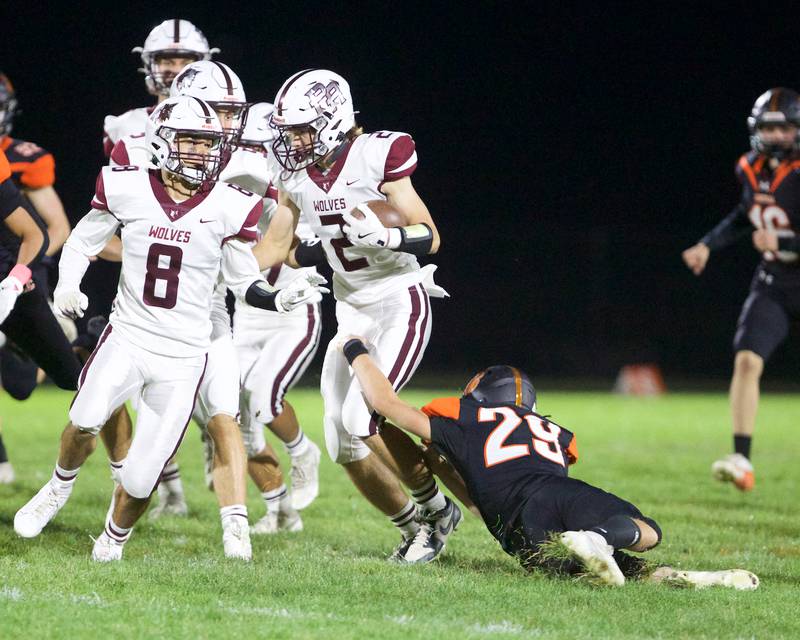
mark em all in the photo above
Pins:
pixel 769 212
pixel 513 463
pixel 325 167
pixel 178 229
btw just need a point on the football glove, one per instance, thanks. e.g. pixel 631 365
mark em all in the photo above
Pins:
pixel 71 304
pixel 369 232
pixel 305 289
pixel 10 288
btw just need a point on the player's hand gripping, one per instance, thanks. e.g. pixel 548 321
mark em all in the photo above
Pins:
pixel 305 289
pixel 696 257
pixel 71 304
pixel 764 240
pixel 366 232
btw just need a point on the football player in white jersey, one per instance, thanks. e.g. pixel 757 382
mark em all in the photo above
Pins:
pixel 179 228
pixel 327 168
pixel 167 49
pixel 274 351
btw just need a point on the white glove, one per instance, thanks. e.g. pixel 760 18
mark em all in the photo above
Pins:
pixel 10 288
pixel 305 289
pixel 71 304
pixel 369 232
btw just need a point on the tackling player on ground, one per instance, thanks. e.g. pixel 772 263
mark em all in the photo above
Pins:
pixel 512 463
pixel 769 212
pixel 325 167
pixel 179 229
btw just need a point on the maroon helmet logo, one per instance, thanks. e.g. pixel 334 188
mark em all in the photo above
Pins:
pixel 185 79
pixel 325 98
pixel 166 112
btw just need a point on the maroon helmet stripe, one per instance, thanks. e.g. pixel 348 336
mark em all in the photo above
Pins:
pixel 227 76
pixel 203 107
pixel 176 30
pixel 279 101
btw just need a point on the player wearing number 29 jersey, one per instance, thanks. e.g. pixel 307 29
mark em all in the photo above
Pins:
pixel 769 211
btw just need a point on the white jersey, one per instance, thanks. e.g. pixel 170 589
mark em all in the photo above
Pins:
pixel 361 274
pixel 116 127
pixel 249 169
pixel 171 256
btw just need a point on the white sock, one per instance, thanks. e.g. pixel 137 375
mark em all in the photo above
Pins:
pixel 405 520
pixel 230 513
pixel 429 498
pixel 274 498
pixel 117 533
pixel 171 479
pixel 299 445
pixel 64 479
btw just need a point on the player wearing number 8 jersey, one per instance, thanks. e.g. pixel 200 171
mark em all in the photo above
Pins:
pixel 770 211
pixel 325 167
pixel 179 229
pixel 511 462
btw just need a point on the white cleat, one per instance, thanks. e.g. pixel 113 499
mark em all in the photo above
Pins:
pixel 732 578
pixel 41 509
pixel 287 521
pixel 169 504
pixel 266 526
pixel 736 469
pixel 305 477
pixel 433 533
pixel 106 549
pixel 595 554
pixel 236 539
pixel 6 473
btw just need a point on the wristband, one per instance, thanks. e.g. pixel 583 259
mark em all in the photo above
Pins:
pixel 416 239
pixel 257 295
pixel 21 273
pixel 309 253
pixel 353 348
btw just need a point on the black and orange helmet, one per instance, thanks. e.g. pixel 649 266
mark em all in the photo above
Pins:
pixel 502 385
pixel 8 105
pixel 778 106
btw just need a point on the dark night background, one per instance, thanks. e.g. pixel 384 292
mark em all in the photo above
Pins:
pixel 568 154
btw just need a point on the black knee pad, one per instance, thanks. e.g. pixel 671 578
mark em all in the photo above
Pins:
pixel 655 527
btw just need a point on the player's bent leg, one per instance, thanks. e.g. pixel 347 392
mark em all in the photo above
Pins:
pixel 304 454
pixel 229 469
pixel 265 471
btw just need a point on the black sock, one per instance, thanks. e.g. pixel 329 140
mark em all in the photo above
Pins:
pixel 3 454
pixel 741 444
pixel 620 532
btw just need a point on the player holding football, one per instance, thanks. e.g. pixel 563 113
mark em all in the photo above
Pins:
pixel 512 463
pixel 325 167
pixel 179 229
pixel 769 212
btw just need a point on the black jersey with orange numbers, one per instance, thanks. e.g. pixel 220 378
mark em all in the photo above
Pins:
pixel 770 200
pixel 502 453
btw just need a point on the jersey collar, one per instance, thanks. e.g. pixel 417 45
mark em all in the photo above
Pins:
pixel 174 210
pixel 325 181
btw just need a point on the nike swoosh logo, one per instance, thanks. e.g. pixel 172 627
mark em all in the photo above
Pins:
pixel 361 236
pixel 207 221
pixel 349 182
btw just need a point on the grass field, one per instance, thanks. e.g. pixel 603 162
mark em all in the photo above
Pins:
pixel 332 581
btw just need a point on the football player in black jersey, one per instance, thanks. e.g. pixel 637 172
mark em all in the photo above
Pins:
pixel 769 212
pixel 513 462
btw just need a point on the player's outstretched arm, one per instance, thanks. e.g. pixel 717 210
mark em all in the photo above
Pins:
pixel 278 241
pixel 48 205
pixel 380 394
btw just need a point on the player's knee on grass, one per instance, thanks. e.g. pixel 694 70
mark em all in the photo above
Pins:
pixel 650 534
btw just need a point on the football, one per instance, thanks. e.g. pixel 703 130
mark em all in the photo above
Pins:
pixel 386 213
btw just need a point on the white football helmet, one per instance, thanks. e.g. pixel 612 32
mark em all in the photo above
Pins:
pixel 173 38
pixel 257 132
pixel 216 84
pixel 315 102
pixel 181 117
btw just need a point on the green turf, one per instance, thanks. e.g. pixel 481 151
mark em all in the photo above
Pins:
pixel 331 580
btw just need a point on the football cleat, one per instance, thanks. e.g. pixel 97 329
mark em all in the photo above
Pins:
pixel 106 549
pixel 399 553
pixel 6 473
pixel 596 556
pixel 289 520
pixel 266 526
pixel 169 504
pixel 41 509
pixel 433 533
pixel 733 578
pixel 236 539
pixel 305 477
pixel 737 469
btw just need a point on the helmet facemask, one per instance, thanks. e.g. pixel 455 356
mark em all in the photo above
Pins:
pixel 235 122
pixel 193 167
pixel 158 82
pixel 777 150
pixel 299 146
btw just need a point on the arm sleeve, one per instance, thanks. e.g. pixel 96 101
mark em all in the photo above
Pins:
pixel 732 227
pixel 10 198
pixel 92 233
pixel 40 173
pixel 401 161
pixel 448 437
pixel 239 267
